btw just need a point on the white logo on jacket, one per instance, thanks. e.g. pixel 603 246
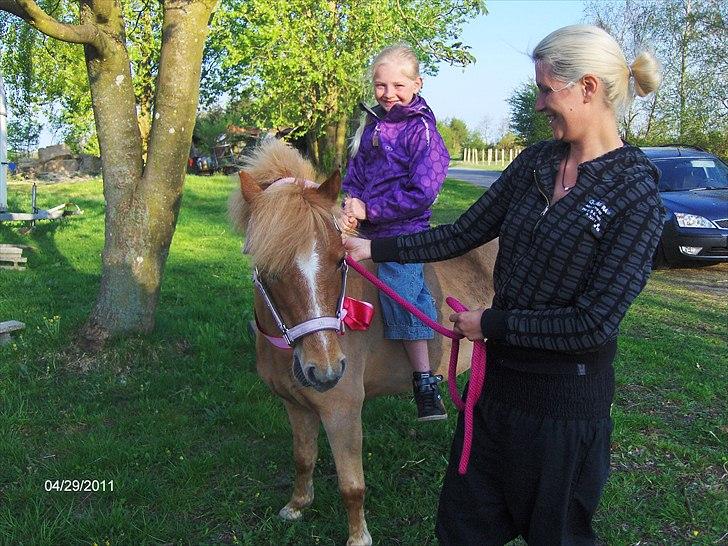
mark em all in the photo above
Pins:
pixel 595 210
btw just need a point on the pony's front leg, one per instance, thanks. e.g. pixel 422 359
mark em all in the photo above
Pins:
pixel 305 428
pixel 344 430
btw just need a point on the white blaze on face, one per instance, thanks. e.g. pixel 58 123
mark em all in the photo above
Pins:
pixel 309 267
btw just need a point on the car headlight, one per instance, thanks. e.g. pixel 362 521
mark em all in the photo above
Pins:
pixel 692 221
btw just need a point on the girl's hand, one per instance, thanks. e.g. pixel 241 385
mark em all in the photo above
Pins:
pixel 357 248
pixel 348 224
pixel 355 207
pixel 467 324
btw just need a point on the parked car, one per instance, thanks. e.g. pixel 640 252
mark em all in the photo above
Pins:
pixel 694 189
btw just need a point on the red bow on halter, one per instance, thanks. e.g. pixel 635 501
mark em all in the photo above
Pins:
pixel 359 314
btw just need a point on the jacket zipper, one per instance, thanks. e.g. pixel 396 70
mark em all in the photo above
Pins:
pixel 535 226
pixel 546 198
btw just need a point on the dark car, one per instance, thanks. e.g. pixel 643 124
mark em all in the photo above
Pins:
pixel 694 189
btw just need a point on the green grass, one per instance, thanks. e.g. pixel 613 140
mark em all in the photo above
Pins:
pixel 199 450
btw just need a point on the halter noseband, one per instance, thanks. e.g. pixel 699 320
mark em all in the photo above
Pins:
pixel 293 334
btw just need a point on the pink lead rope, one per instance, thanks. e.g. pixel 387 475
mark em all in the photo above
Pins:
pixel 477 363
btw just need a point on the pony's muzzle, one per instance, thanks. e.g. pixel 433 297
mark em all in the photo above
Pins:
pixel 320 377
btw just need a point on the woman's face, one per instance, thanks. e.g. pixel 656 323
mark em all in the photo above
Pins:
pixel 392 86
pixel 561 102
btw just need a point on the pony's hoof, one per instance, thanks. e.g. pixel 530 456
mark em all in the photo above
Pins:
pixel 289 513
pixel 363 539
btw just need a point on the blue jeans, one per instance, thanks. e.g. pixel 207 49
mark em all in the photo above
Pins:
pixel 407 280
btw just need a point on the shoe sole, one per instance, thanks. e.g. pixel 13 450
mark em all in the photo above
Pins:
pixel 433 418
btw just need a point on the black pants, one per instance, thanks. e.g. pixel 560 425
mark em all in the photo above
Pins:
pixel 531 475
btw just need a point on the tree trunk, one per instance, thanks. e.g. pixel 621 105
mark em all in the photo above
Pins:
pixel 312 146
pixel 340 155
pixel 142 203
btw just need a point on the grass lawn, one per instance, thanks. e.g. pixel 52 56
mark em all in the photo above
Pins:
pixel 197 451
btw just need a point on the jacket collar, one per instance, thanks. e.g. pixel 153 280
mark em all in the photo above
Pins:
pixel 418 107
pixel 609 169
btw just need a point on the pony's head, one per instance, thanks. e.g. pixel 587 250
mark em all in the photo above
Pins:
pixel 292 239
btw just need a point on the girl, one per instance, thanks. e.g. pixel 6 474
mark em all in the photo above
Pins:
pixel 398 165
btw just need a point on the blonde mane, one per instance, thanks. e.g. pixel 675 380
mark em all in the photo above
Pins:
pixel 283 221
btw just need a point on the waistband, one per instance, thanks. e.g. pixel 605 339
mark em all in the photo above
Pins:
pixel 551 395
pixel 539 361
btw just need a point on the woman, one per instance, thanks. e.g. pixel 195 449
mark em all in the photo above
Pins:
pixel 578 219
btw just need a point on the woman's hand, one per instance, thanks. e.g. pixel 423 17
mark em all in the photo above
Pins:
pixel 355 207
pixel 467 324
pixel 359 249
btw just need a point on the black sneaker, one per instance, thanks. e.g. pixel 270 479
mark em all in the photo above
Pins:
pixel 427 397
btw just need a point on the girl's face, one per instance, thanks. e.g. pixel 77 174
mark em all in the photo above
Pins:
pixel 392 86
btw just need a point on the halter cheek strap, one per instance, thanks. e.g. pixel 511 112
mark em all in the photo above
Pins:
pixel 291 335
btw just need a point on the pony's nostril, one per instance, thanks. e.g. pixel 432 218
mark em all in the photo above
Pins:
pixel 311 374
pixel 343 366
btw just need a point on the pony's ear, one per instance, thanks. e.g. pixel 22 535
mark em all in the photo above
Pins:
pixel 331 187
pixel 248 187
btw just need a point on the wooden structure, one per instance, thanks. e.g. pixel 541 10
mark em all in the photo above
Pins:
pixel 66 209
pixel 3 148
pixel 7 328
pixel 11 257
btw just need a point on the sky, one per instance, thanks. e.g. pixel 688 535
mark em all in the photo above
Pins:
pixel 500 42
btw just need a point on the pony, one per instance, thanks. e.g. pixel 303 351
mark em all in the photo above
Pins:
pixel 293 240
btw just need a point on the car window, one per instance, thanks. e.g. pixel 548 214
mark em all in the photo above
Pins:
pixel 681 174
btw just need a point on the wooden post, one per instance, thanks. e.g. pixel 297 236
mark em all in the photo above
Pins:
pixel 3 148
pixel 490 155
pixel 510 155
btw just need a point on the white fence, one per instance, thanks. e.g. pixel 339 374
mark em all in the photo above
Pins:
pixel 490 156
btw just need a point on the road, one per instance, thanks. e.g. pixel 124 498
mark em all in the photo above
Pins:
pixel 477 177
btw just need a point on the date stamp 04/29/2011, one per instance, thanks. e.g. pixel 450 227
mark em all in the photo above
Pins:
pixel 79 485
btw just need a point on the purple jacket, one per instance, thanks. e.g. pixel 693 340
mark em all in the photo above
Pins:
pixel 398 170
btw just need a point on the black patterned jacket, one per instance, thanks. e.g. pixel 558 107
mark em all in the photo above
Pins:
pixel 565 273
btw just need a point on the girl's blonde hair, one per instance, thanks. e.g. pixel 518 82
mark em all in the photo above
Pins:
pixel 572 52
pixel 400 54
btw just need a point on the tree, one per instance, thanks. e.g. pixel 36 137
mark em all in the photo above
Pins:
pixel 529 125
pixel 142 196
pixel 57 69
pixel 22 91
pixel 456 135
pixel 302 62
pixel 689 39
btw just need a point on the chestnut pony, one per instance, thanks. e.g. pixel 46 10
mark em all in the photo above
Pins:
pixel 297 253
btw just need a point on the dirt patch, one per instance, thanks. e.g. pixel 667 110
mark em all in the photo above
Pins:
pixel 711 280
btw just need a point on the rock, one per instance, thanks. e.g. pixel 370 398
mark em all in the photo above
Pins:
pixel 90 164
pixel 61 166
pixel 52 152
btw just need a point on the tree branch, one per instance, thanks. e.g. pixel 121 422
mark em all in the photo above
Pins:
pixel 39 19
pixel 11 6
